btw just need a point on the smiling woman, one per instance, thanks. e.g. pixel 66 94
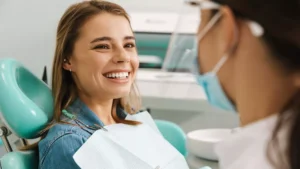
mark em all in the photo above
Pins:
pixel 105 47
pixel 94 70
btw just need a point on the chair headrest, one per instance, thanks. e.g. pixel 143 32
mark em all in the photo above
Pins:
pixel 26 101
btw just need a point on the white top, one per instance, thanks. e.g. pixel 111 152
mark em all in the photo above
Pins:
pixel 247 148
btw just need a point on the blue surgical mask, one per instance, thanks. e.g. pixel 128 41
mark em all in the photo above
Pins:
pixel 214 91
pixel 210 81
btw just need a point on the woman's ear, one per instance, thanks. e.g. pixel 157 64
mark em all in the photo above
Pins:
pixel 67 65
pixel 229 29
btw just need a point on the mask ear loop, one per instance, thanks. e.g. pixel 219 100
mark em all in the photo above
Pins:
pixel 209 25
pixel 226 55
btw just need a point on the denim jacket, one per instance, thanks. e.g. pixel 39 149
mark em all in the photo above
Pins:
pixel 56 150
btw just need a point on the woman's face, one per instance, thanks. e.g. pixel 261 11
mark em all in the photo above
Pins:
pixel 104 60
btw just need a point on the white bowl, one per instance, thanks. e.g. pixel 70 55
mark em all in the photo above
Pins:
pixel 201 143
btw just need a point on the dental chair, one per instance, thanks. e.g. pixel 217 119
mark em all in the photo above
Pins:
pixel 173 134
pixel 26 107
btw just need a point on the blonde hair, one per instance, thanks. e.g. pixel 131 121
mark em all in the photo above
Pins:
pixel 64 88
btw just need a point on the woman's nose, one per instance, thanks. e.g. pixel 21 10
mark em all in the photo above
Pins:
pixel 121 56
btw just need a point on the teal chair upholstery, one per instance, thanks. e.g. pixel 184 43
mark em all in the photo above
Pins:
pixel 20 160
pixel 173 134
pixel 26 106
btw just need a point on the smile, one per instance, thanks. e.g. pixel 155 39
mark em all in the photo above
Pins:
pixel 117 75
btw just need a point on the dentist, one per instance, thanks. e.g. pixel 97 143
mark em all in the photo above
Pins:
pixel 248 61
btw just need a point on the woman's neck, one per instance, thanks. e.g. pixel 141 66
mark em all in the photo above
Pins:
pixel 102 108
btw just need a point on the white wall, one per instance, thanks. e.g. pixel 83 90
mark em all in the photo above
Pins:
pixel 27 27
pixel 27 30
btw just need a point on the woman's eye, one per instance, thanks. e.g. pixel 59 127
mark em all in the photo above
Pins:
pixel 129 45
pixel 101 47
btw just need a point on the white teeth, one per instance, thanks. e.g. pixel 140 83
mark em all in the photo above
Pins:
pixel 120 75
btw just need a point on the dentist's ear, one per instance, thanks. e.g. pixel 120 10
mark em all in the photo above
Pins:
pixel 229 28
pixel 67 65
